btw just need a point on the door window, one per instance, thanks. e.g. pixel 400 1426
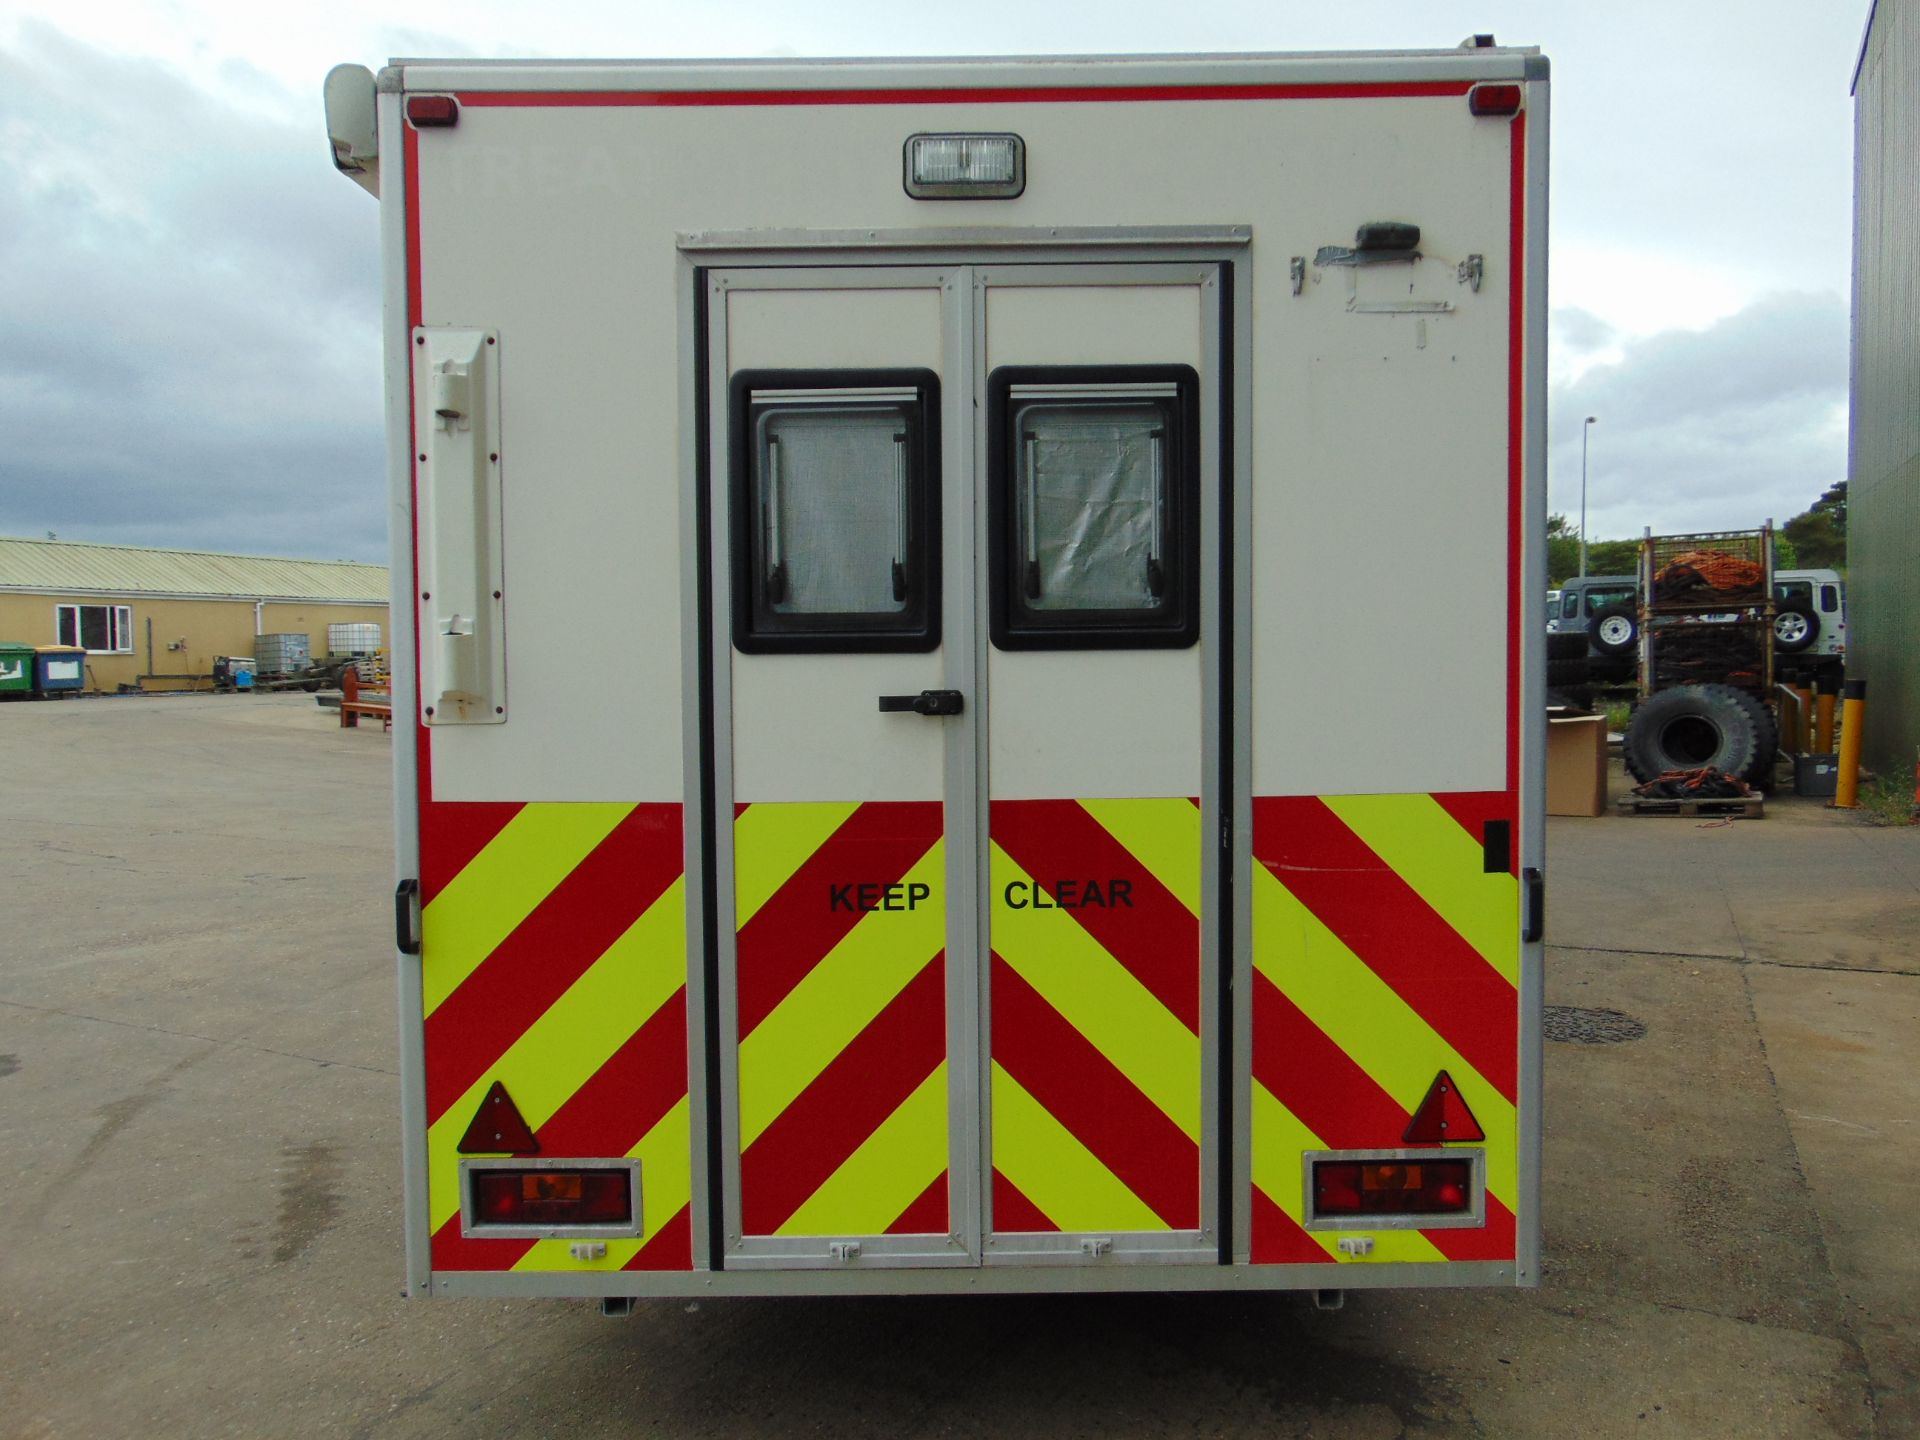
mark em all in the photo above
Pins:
pixel 1094 507
pixel 835 515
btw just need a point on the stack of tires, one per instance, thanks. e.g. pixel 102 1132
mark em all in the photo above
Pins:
pixel 1566 661
pixel 1694 726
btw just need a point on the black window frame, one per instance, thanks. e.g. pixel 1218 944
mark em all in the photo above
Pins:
pixel 760 630
pixel 1176 626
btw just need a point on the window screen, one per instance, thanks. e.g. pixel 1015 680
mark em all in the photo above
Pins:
pixel 1094 506
pixel 835 510
pixel 1829 597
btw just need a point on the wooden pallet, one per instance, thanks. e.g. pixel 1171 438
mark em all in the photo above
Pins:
pixel 1748 807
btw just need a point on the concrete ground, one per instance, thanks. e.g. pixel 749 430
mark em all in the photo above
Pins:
pixel 200 1235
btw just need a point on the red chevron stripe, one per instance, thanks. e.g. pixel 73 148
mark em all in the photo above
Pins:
pixel 627 1096
pixel 671 1247
pixel 1473 808
pixel 1278 1238
pixel 846 1103
pixel 1317 1080
pixel 1088 1094
pixel 1493 1241
pixel 453 1250
pixel 797 928
pixel 1157 939
pixel 1014 1213
pixel 928 1214
pixel 549 950
pixel 1394 932
pixel 452 834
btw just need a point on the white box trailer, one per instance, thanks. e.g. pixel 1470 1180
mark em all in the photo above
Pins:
pixel 909 786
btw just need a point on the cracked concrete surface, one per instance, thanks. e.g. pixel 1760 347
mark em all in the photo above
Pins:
pixel 200 1233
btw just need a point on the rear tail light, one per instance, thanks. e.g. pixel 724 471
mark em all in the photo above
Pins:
pixel 1494 100
pixel 562 1198
pixel 1392 1187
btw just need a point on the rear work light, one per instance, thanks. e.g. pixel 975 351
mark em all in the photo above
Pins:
pixel 1494 100
pixel 1348 1188
pixel 551 1198
pixel 430 110
pixel 965 167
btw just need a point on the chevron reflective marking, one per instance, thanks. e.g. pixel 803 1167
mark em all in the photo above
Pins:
pixel 1365 1020
pixel 666 1184
pixel 771 842
pixel 1427 848
pixel 1277 1173
pixel 893 1167
pixel 1062 1178
pixel 1381 919
pixel 500 887
pixel 566 932
pixel 841 1078
pixel 1366 986
pixel 562 1050
pixel 1095 1014
pixel 1100 998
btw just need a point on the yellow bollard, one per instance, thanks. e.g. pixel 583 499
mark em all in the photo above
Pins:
pixel 1846 792
pixel 1823 717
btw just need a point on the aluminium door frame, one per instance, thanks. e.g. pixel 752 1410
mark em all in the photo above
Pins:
pixel 1216 376
pixel 961 1245
pixel 883 259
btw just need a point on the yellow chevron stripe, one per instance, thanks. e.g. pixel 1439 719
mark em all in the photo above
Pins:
pixel 838 999
pixel 1279 1140
pixel 502 885
pixel 666 1185
pixel 1163 835
pixel 771 842
pixel 562 1050
pixel 1055 1171
pixel 891 1169
pixel 1363 1016
pixel 1430 850
pixel 1100 998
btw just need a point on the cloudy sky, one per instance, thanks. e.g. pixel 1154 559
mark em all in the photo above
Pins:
pixel 188 317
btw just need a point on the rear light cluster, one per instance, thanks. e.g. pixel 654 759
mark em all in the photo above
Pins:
pixel 1392 1187
pixel 552 1197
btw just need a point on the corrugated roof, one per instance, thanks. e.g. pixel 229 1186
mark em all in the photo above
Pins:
pixel 71 568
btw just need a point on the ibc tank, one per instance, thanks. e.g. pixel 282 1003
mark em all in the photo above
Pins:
pixel 352 639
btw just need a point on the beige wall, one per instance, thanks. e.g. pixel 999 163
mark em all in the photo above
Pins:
pixel 201 628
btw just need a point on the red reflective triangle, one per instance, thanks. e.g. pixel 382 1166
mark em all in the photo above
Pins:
pixel 1442 1116
pixel 498 1128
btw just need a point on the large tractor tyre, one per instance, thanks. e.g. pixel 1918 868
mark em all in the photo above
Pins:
pixel 1795 627
pixel 1565 674
pixel 1566 645
pixel 1692 726
pixel 1766 730
pixel 1615 630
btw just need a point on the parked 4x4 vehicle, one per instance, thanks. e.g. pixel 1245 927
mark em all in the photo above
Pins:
pixel 1604 609
pixel 1810 624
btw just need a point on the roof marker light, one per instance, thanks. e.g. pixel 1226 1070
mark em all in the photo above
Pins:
pixel 965 167
pixel 1494 100
pixel 426 111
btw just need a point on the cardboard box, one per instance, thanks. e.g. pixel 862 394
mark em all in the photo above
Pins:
pixel 1577 765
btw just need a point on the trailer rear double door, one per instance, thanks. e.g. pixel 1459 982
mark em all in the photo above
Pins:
pixel 966 531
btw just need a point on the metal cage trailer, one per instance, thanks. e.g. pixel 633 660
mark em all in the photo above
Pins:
pixel 977 864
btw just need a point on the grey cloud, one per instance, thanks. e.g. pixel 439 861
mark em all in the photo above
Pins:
pixel 192 314
pixel 1719 428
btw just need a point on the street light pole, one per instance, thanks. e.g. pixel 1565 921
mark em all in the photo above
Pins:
pixel 1585 430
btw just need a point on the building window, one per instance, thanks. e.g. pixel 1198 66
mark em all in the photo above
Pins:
pixel 1094 507
pixel 836 501
pixel 98 629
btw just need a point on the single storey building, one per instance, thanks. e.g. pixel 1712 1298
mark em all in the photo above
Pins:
pixel 155 619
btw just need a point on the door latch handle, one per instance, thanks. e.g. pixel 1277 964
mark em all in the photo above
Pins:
pixel 406 917
pixel 927 702
pixel 1536 884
